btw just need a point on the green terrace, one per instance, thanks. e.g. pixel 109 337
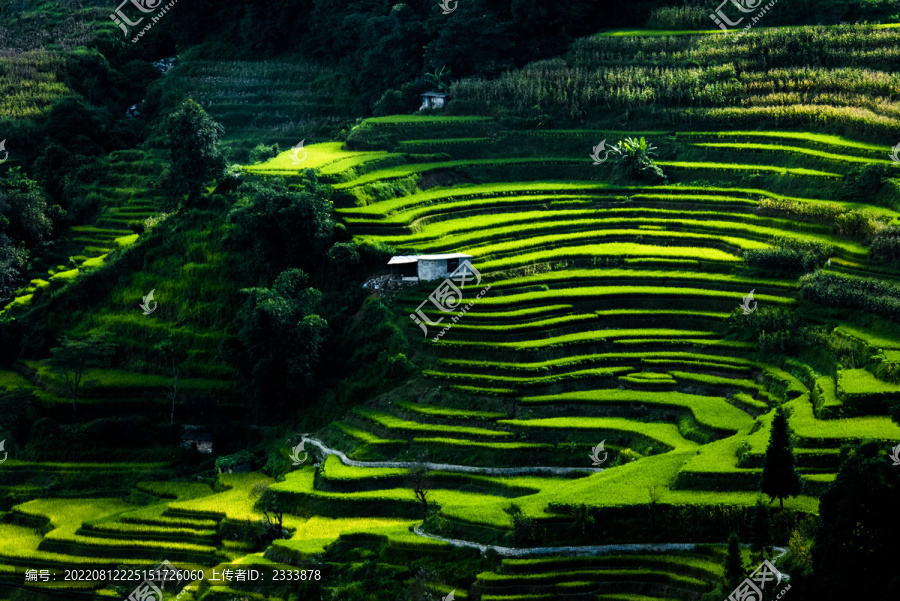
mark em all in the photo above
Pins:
pixel 613 318
pixel 123 212
pixel 686 234
pixel 266 101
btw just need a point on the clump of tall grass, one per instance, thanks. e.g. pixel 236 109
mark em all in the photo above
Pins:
pixel 691 16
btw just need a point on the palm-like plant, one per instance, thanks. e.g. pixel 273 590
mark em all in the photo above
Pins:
pixel 634 156
pixel 439 79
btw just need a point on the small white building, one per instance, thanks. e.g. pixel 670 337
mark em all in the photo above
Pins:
pixel 425 267
pixel 433 100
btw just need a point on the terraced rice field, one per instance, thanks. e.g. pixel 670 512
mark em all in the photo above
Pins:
pixel 605 320
pixel 276 101
pixel 609 319
pixel 126 197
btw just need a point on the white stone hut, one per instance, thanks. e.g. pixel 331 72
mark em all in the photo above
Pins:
pixel 433 100
pixel 425 267
pixel 195 437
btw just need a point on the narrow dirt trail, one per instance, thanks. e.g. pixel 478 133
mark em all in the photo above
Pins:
pixel 571 551
pixel 446 467
pixel 588 550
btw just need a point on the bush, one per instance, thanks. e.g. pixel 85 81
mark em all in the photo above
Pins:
pixel 226 463
pixel 886 245
pixel 850 292
pixel 866 181
pixel 262 153
pixel 390 103
pixel 776 331
pixel 281 226
pixel 789 254
pixel 397 368
pixel 634 160
pixel 856 225
pixel 847 223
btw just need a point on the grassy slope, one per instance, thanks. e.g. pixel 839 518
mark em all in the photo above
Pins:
pixel 481 352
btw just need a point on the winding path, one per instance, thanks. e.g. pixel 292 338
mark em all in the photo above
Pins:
pixel 512 551
pixel 571 551
pixel 446 467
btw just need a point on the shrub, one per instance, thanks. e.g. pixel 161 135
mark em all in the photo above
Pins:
pixel 634 160
pixel 866 181
pixel 789 254
pixel 226 463
pixel 397 368
pixel 262 153
pixel 886 244
pixel 847 223
pixel 776 331
pixel 856 225
pixel 851 292
pixel 390 103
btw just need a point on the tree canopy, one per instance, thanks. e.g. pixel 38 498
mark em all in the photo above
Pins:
pixel 195 159
pixel 853 554
pixel 780 478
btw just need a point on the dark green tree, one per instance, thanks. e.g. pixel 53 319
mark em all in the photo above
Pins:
pixel 171 358
pixel 72 357
pixel 13 260
pixel 761 533
pixel 280 340
pixel 854 549
pixel 524 531
pixel 422 585
pixel 24 211
pixel 26 221
pixel 282 227
pixel 734 566
pixel 195 159
pixel 419 479
pixel 272 509
pixel 780 478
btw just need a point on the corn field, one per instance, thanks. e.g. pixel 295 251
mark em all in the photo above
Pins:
pixel 28 84
pixel 766 71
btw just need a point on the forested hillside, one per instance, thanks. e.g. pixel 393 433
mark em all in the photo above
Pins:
pixel 662 347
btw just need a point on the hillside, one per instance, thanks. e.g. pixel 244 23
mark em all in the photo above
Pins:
pixel 687 253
